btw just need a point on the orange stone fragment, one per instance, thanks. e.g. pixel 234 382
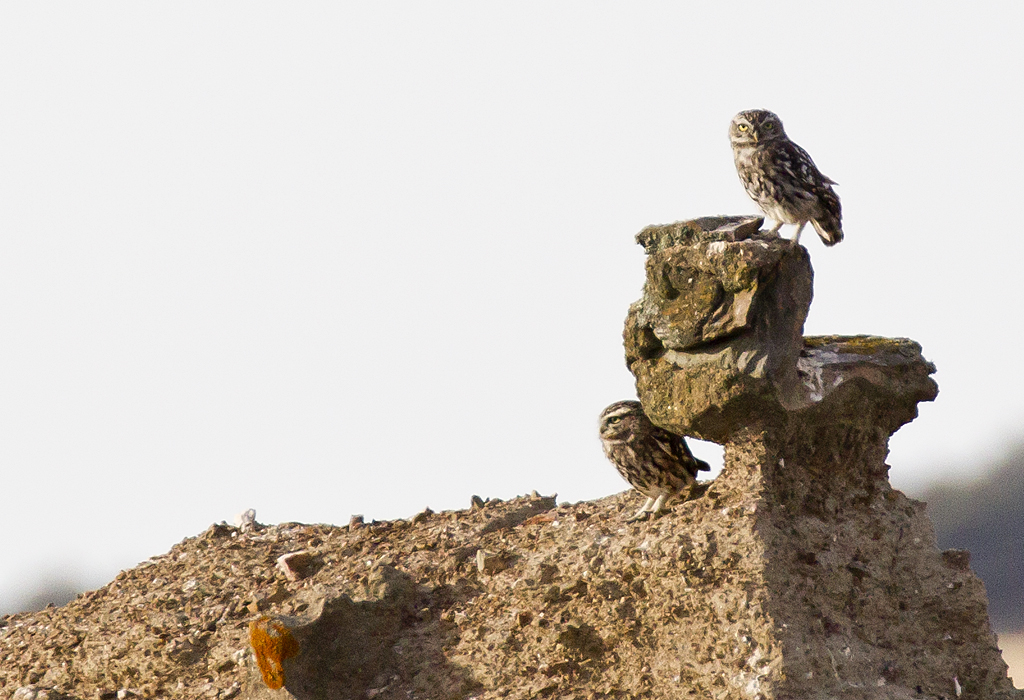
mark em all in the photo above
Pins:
pixel 272 643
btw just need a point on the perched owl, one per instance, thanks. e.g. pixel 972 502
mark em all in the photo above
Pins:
pixel 781 178
pixel 655 462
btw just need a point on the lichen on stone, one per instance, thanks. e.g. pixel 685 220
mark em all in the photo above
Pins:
pixel 272 643
pixel 860 344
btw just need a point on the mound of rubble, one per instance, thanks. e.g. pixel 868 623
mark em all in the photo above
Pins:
pixel 798 574
pixel 517 599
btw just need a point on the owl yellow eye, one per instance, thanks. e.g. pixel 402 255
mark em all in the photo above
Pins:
pixel 769 127
pixel 741 127
pixel 614 420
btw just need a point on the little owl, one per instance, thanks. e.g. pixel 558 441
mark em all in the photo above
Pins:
pixel 654 461
pixel 781 178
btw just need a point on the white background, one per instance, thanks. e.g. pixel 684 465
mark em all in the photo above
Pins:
pixel 331 258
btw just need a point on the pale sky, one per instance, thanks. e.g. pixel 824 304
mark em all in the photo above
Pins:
pixel 320 259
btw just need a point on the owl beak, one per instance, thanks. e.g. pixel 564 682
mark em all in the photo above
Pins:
pixel 754 136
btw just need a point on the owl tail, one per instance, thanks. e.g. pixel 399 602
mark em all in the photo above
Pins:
pixel 830 224
pixel 830 230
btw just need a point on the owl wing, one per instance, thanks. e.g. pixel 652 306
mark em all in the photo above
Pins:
pixel 675 446
pixel 828 217
pixel 800 166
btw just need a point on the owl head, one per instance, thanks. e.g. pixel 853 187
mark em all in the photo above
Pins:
pixel 622 419
pixel 755 126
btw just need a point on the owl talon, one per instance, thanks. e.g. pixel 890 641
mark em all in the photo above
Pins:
pixel 799 230
pixel 644 512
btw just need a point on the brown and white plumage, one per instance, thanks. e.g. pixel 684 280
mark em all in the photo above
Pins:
pixel 654 461
pixel 781 177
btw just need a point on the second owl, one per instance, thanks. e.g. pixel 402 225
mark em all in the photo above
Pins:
pixel 654 461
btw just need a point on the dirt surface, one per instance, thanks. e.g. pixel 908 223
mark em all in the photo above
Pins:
pixel 176 625
pixel 578 604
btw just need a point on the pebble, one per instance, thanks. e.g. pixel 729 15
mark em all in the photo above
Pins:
pixel 246 520
pixel 295 565
pixel 489 563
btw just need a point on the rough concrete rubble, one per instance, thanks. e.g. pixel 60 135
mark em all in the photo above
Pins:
pixel 798 574
pixel 862 603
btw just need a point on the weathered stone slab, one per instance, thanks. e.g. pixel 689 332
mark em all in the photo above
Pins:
pixel 704 229
pixel 717 334
pixel 861 603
